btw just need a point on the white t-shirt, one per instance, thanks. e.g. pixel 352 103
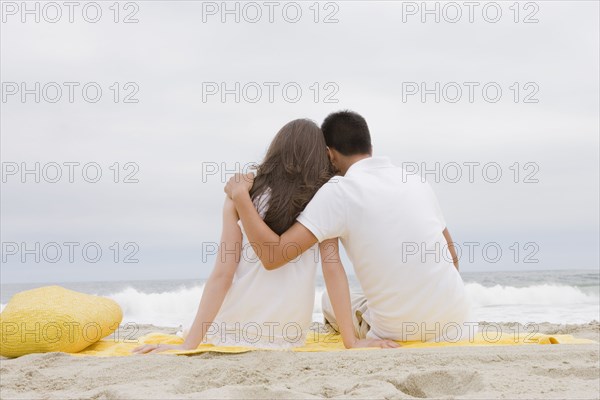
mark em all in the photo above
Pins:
pixel 268 309
pixel 391 227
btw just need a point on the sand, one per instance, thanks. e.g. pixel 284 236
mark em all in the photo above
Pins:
pixel 512 372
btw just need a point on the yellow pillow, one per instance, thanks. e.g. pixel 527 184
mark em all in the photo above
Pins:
pixel 52 318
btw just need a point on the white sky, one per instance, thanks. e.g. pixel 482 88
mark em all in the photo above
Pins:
pixel 367 55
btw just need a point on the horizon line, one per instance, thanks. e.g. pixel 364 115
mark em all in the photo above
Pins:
pixel 595 269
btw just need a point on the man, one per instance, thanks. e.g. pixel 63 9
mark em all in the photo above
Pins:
pixel 394 233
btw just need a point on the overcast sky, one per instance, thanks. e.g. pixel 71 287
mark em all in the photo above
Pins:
pixel 373 60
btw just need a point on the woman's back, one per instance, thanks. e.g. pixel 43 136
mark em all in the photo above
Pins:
pixel 270 309
pixel 243 304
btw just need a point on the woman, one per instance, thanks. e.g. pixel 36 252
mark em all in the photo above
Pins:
pixel 243 304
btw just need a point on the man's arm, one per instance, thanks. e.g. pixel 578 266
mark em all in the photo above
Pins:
pixel 273 250
pixel 336 282
pixel 451 248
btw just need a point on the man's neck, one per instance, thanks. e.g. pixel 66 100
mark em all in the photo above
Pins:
pixel 351 160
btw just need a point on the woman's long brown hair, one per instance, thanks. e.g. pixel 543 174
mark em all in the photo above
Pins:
pixel 295 167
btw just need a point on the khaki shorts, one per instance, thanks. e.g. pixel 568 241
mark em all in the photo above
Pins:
pixel 358 303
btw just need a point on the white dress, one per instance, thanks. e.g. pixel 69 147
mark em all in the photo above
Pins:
pixel 268 309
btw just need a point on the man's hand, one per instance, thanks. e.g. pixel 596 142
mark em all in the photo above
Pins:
pixel 384 344
pixel 229 209
pixel 239 184
pixel 157 348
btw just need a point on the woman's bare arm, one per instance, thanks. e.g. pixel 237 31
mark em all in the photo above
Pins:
pixel 220 279
pixel 216 286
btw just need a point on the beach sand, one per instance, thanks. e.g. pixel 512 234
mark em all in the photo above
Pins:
pixel 512 372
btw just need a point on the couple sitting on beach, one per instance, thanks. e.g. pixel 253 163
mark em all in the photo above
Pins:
pixel 314 188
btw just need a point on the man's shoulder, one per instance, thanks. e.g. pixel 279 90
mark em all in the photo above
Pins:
pixel 335 180
pixel 331 192
pixel 334 185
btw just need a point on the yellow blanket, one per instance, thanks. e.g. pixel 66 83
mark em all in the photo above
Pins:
pixel 319 342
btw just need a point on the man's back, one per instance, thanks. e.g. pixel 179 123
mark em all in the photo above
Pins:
pixel 391 227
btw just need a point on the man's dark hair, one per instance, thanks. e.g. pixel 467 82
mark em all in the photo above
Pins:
pixel 347 132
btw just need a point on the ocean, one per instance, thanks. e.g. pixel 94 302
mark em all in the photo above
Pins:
pixel 567 297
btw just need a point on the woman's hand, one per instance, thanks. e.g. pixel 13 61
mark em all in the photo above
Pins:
pixel 157 348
